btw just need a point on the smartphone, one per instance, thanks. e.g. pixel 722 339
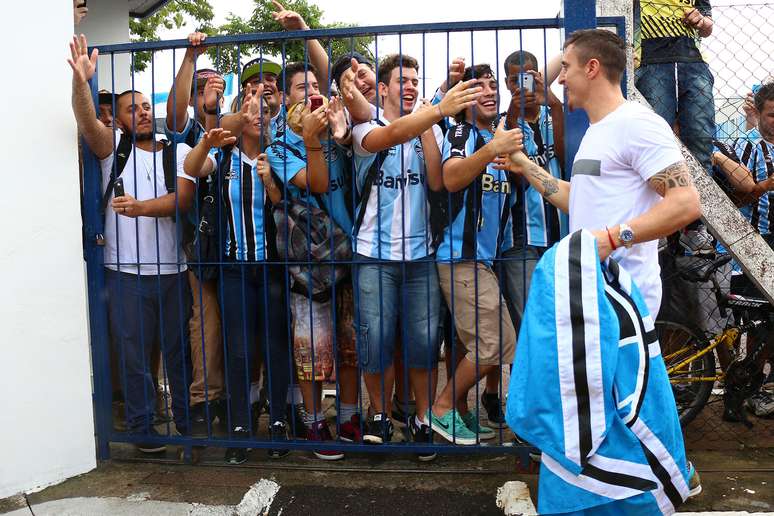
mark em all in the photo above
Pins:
pixel 82 4
pixel 527 82
pixel 317 102
pixel 118 188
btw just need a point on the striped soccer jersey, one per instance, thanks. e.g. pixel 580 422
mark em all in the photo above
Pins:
pixel 396 218
pixel 758 155
pixel 535 221
pixel 244 200
pixel 287 157
pixel 479 226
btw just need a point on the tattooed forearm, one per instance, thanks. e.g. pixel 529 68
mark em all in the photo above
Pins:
pixel 673 176
pixel 547 181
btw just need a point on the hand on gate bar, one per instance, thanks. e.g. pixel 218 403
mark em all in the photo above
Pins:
pixel 290 20
pixel 337 121
pixel 197 48
pixel 213 92
pixel 82 64
pixel 459 97
pixel 128 206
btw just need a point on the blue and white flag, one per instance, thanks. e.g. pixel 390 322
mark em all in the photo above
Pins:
pixel 590 389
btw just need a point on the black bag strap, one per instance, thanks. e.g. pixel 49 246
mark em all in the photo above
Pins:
pixel 169 161
pixel 123 150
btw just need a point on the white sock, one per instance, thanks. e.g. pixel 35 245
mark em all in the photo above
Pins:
pixel 311 418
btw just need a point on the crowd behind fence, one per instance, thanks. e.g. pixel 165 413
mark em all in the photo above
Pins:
pixel 298 266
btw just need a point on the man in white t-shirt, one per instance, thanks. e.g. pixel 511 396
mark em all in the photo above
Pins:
pixel 630 184
pixel 147 291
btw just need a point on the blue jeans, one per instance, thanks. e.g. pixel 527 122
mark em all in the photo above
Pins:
pixel 388 292
pixel 516 270
pixel 144 310
pixel 255 311
pixel 689 101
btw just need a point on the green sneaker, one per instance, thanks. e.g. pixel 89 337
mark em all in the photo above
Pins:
pixel 471 421
pixel 451 427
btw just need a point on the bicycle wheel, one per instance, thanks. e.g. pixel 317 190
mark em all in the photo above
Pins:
pixel 679 342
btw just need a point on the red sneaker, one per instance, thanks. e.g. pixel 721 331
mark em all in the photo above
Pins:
pixel 320 432
pixel 349 431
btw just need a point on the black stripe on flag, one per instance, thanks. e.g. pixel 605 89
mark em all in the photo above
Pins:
pixel 579 346
pixel 664 477
pixel 619 479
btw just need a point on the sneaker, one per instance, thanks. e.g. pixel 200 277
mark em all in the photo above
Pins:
pixel 321 433
pixel 278 432
pixel 349 431
pixel 198 415
pixel 451 427
pixel 694 482
pixel 421 434
pixel 152 447
pixel 235 456
pixel 399 416
pixel 471 421
pixel 697 241
pixel 494 410
pixel 295 414
pixel 761 404
pixel 378 429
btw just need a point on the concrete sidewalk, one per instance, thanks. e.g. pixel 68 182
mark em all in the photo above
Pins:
pixel 365 485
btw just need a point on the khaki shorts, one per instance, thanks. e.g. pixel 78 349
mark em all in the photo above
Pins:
pixel 479 293
pixel 318 327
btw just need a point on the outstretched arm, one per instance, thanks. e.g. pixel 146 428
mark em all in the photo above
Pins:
pixel 291 20
pixel 180 94
pixel 98 137
pixel 554 190
pixel 410 126
pixel 196 163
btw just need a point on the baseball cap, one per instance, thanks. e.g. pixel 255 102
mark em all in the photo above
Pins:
pixel 203 74
pixel 105 97
pixel 256 66
pixel 344 62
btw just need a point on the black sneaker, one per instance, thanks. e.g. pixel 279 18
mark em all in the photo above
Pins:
pixel 421 434
pixel 295 414
pixel 152 447
pixel 534 452
pixel 494 410
pixel 378 429
pixel 235 456
pixel 399 416
pixel 278 432
pixel 197 414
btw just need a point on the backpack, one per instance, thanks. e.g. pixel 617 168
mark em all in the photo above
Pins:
pixel 123 150
pixel 306 233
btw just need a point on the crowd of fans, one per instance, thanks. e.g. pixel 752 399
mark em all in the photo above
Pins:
pixel 332 224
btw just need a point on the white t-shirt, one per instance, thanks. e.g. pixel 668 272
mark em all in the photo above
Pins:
pixel 609 184
pixel 124 237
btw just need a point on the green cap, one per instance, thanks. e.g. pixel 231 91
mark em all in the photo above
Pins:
pixel 256 67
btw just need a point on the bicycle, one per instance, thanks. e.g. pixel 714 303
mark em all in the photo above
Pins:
pixel 690 354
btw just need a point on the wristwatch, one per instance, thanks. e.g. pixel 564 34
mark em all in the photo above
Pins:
pixel 626 235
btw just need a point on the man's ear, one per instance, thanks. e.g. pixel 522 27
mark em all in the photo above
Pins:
pixel 382 89
pixel 593 68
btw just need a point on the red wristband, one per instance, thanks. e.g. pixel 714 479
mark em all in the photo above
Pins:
pixel 610 237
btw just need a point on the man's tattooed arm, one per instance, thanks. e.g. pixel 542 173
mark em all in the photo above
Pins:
pixel 673 176
pixel 555 191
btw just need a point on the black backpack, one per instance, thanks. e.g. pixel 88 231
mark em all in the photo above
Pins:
pixel 123 150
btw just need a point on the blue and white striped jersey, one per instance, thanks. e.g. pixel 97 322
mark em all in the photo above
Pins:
pixel 244 200
pixel 757 155
pixel 396 220
pixel 287 157
pixel 536 221
pixel 479 227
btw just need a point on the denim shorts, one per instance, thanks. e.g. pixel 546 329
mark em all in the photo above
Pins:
pixel 387 292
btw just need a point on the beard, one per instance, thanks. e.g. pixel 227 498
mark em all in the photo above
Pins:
pixel 142 137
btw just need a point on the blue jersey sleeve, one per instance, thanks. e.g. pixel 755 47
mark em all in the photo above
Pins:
pixel 284 162
pixel 455 145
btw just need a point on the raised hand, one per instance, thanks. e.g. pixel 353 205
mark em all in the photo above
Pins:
pixel 750 112
pixel 213 91
pixel 218 137
pixel 251 106
pixel 196 39
pixel 82 64
pixel 456 71
pixel 459 97
pixel 313 122
pixel 507 141
pixel 337 119
pixel 290 20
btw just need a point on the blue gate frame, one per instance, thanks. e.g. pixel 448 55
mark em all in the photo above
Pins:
pixel 579 14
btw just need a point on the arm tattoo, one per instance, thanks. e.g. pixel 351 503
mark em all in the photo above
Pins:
pixel 673 176
pixel 549 182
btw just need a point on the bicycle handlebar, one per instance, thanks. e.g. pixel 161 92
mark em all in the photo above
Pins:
pixel 708 272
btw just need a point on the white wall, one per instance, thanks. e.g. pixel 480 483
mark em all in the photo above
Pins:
pixel 46 420
pixel 108 23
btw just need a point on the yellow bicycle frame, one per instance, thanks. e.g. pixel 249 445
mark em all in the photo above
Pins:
pixel 727 337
